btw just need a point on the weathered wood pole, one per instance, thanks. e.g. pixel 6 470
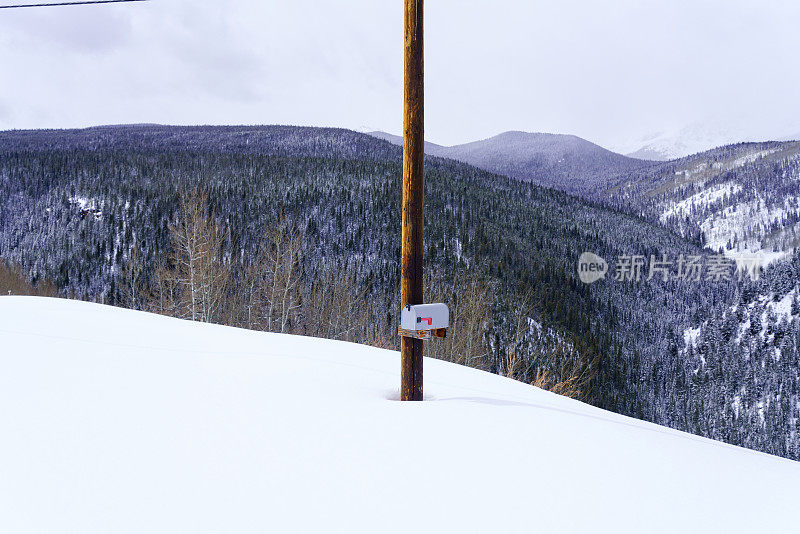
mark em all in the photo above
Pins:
pixel 413 196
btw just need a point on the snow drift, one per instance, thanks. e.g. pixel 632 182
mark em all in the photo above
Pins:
pixel 121 421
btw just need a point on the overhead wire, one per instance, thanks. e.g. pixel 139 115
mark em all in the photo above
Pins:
pixel 79 3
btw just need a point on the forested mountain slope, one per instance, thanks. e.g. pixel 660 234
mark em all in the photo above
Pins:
pixel 741 199
pixel 86 208
pixel 746 362
pixel 285 141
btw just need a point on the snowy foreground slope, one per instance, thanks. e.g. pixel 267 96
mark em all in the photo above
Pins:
pixel 121 421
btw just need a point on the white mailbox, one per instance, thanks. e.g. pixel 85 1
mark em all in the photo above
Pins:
pixel 423 320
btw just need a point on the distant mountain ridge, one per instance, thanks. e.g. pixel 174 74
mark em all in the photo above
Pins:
pixel 565 162
pixel 431 149
pixel 272 140
pixel 652 153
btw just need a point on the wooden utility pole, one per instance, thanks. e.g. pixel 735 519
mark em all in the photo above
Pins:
pixel 413 196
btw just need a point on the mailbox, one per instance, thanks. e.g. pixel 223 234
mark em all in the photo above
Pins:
pixel 423 320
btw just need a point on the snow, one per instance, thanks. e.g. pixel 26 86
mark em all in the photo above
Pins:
pixel 752 218
pixel 459 249
pixel 701 135
pixel 534 326
pixel 754 156
pixel 736 404
pixel 690 336
pixel 783 308
pixel 121 421
pixel 702 199
pixel 82 202
pixel 674 143
pixel 87 205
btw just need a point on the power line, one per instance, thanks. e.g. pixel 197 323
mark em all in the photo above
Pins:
pixel 72 3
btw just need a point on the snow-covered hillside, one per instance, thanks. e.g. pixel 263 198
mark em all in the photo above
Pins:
pixel 120 421
pixel 743 199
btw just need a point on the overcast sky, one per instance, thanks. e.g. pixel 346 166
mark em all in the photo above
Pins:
pixel 613 72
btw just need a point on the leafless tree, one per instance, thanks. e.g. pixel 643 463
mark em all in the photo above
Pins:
pixel 515 353
pixel 335 306
pixel 133 287
pixel 468 298
pixel 14 281
pixel 281 262
pixel 544 358
pixel 194 283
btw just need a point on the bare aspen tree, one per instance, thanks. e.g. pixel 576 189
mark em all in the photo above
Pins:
pixel 164 298
pixel 134 291
pixel 281 258
pixel 379 331
pixel 249 301
pixel 196 272
pixel 515 352
pixel 468 298
pixel 336 306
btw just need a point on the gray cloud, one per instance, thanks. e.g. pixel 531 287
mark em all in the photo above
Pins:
pixel 5 113
pixel 82 30
pixel 612 72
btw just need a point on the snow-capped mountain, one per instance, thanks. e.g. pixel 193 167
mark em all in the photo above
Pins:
pixel 675 144
pixel 699 137
pixel 122 421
